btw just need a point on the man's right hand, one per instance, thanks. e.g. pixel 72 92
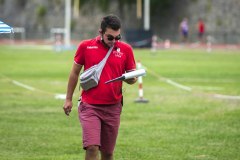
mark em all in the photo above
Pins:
pixel 67 107
pixel 72 82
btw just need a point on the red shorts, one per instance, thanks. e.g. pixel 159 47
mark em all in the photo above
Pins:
pixel 100 125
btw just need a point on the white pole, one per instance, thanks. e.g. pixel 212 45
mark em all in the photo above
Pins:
pixel 140 81
pixel 67 36
pixel 140 87
pixel 146 15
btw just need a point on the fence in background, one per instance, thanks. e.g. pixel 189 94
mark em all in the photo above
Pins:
pixel 218 37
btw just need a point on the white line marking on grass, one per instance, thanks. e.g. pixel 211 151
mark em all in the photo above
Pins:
pixel 226 96
pixel 23 85
pixel 179 85
pixel 60 96
pixel 208 88
pixel 169 81
pixel 56 95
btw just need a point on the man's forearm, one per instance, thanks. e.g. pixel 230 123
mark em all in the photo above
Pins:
pixel 72 82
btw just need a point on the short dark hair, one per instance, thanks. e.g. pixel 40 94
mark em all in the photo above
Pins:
pixel 110 21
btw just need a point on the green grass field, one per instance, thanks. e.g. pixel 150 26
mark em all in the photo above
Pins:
pixel 176 124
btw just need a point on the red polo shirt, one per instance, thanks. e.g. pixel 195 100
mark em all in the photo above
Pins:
pixel 121 59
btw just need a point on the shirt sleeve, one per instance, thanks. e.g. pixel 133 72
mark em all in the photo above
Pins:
pixel 130 60
pixel 79 55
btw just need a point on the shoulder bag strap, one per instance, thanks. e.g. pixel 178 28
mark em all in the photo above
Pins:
pixel 101 64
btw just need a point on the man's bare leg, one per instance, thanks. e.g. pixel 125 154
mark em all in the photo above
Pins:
pixel 106 156
pixel 92 153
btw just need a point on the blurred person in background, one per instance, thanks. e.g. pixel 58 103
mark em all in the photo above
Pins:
pixel 201 30
pixel 100 107
pixel 184 30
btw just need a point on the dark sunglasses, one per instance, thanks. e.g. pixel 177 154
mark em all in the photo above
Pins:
pixel 111 38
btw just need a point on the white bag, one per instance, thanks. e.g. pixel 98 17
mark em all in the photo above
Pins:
pixel 90 77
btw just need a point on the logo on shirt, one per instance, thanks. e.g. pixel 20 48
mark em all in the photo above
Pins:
pixel 117 53
pixel 92 47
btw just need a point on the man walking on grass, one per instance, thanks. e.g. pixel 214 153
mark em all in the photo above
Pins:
pixel 100 107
